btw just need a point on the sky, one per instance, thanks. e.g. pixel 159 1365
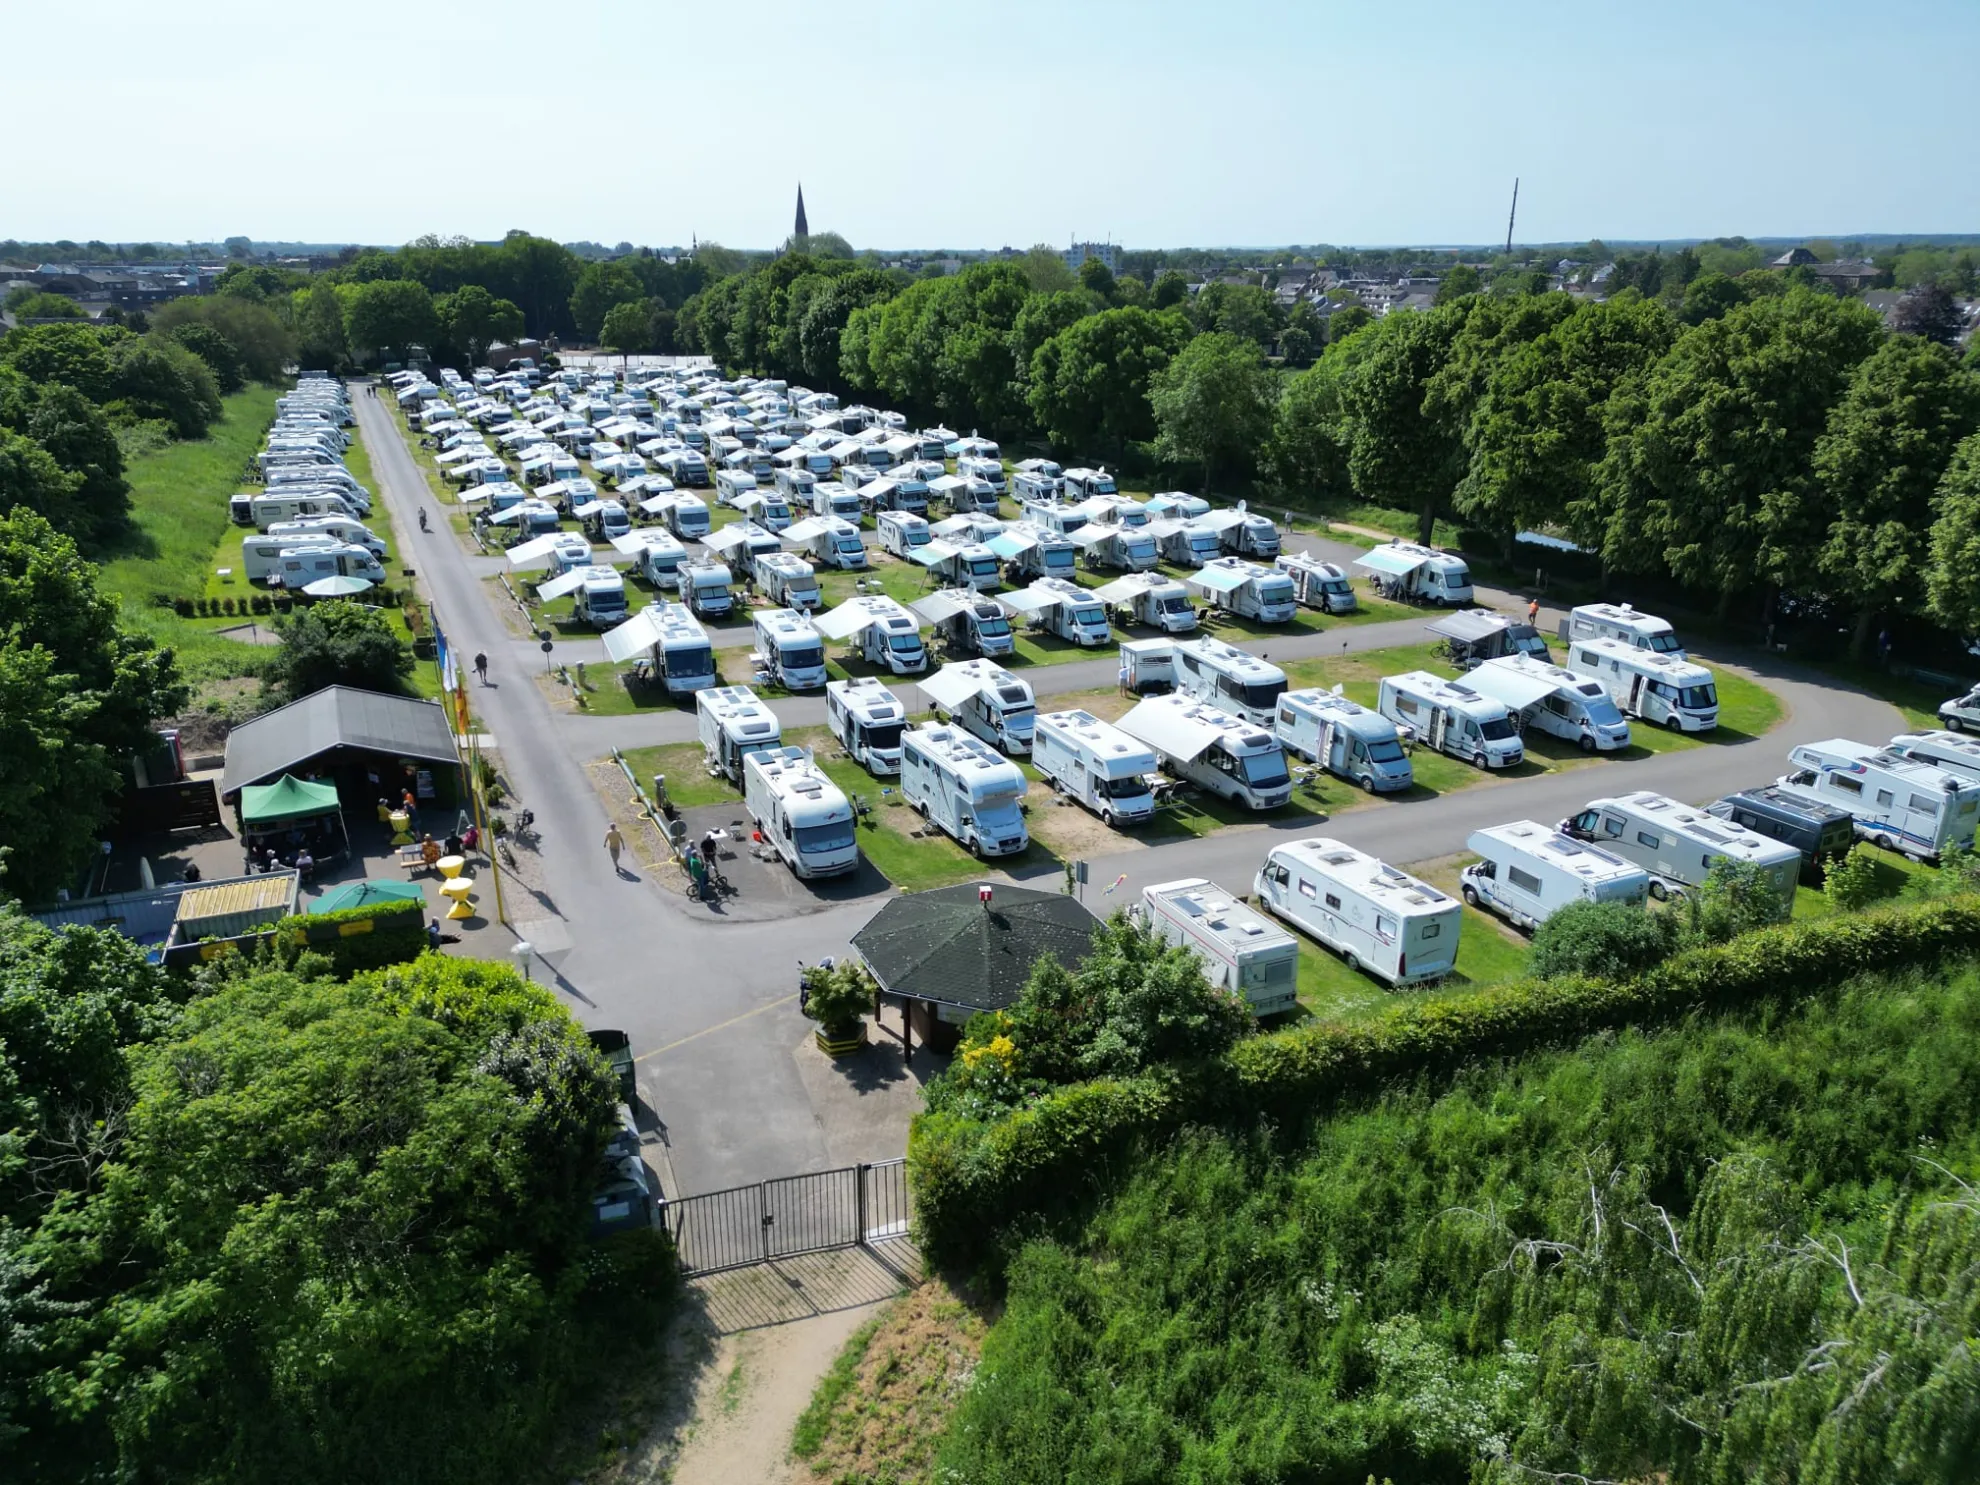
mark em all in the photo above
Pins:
pixel 925 125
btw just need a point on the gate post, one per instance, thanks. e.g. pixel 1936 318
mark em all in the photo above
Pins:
pixel 767 1216
pixel 859 1201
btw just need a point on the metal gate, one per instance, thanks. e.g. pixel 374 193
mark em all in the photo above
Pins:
pixel 843 1208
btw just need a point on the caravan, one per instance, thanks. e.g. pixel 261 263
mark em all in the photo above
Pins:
pixel 597 593
pixel 1210 670
pixel 685 515
pixel 965 789
pixel 1474 635
pixel 261 556
pixel 800 812
pixel 834 499
pixel 1095 764
pixel 1678 845
pixel 1241 951
pixel 1226 755
pixel 1409 573
pixel 1897 802
pixel 790 650
pixel 732 724
pixel 987 700
pixel 1061 609
pixel 675 647
pixel 705 588
pixel 1318 584
pixel 1657 688
pixel 884 633
pixel 732 484
pixel 1151 600
pixel 1244 588
pixel 1375 917
pixel 868 721
pixel 1122 548
pixel 1557 702
pixel 1452 718
pixel 1526 873
pixel 1034 552
pixel 1622 623
pixel 1345 738
pixel 787 579
pixel 966 621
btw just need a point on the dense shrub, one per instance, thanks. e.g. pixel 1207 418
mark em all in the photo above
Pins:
pixel 1612 940
pixel 339 643
pixel 360 938
pixel 1854 881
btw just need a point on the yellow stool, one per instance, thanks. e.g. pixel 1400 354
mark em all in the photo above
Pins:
pixel 458 888
pixel 451 866
pixel 401 824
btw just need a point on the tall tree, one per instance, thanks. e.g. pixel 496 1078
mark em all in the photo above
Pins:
pixel 628 328
pixel 1089 383
pixel 390 315
pixel 1928 311
pixel 475 319
pixel 76 434
pixel 1399 454
pixel 1213 404
pixel 319 321
pixel 600 287
pixel 1952 581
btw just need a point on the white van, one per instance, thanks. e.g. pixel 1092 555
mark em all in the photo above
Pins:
pixel 341 528
pixel 1227 677
pixel 1317 584
pixel 800 812
pixel 1410 573
pixel 732 484
pixel 304 565
pixel 884 633
pixel 987 700
pixel 1241 951
pixel 789 649
pixel 1677 844
pixel 1658 688
pixel 1095 764
pixel 671 642
pixel 655 554
pixel 1225 755
pixel 1557 702
pixel 1526 873
pixel 261 556
pixel 786 578
pixel 868 721
pixel 901 532
pixel 965 789
pixel 1624 624
pixel 1345 738
pixel 1900 803
pixel 1947 751
pixel 1452 718
pixel 1375 917
pixel 732 723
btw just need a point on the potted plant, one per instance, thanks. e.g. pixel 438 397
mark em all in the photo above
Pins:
pixel 837 996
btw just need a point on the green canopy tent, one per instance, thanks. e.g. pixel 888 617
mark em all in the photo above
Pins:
pixel 291 815
pixel 363 894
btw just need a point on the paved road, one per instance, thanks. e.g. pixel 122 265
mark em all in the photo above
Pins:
pixel 706 1002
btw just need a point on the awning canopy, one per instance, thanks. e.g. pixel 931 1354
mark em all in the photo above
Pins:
pixel 800 532
pixel 1470 625
pixel 363 894
pixel 1515 688
pixel 569 582
pixel 288 798
pixel 1219 520
pixel 856 614
pixel 933 553
pixel 1011 545
pixel 952 685
pixel 1033 600
pixel 1219 579
pixel 635 637
pixel 743 534
pixel 939 608
pixel 538 550
pixel 1127 589
pixel 636 544
pixel 1391 561
pixel 1169 729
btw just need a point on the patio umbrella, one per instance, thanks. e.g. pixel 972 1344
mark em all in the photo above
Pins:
pixel 362 894
pixel 338 586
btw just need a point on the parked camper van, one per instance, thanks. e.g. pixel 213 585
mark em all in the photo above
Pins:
pixel 597 594
pixel 1242 534
pixel 732 484
pixel 1034 552
pixel 670 641
pixel 1377 918
pixel 1558 702
pixel 705 588
pixel 792 652
pixel 1096 764
pixel 901 532
pixel 303 565
pixel 1409 573
pixel 987 700
pixel 279 507
pixel 834 499
pixel 1225 676
pixel 1658 688
pixel 883 632
pixel 1183 542
pixel 1244 588
pixel 1121 548
pixel 604 519
pixel 656 555
pixel 261 556
pixel 686 516
pixel 829 541
pixel 1897 802
pixel 1241 951
pixel 1526 873
pixel 868 721
pixel 1062 609
pixel 1677 844
pixel 800 812
pixel 1946 751
pixel 1622 623
pixel 1452 718
pixel 786 578
pixel 1345 738
pixel 337 528
pixel 1318 584
pixel 1474 635
pixel 1148 667
pixel 1227 755
pixel 1081 484
pixel 1821 832
pixel 967 622
pixel 1149 599
pixel 732 725
pixel 966 565
pixel 961 786
pixel 1962 713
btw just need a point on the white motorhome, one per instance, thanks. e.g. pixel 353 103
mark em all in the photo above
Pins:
pixel 739 544
pixel 1658 688
pixel 800 812
pixel 655 554
pixel 1095 764
pixel 668 639
pixel 1471 636
pixel 966 621
pixel 603 519
pixel 985 699
pixel 1961 712
pixel 1034 552
pixel 790 651
pixel 705 588
pixel 901 532
pixel 1082 483
pixel 1122 548
pixel 1452 718
pixel 1210 670
pixel 1184 543
pixel 1062 609
pixel 1317 584
pixel 967 565
pixel 1900 803
pixel 597 593
pixel 304 565
pixel 732 724
pixel 834 499
pixel 965 789
pixel 1377 918
pixel 268 511
pixel 1028 489
pixel 340 528
pixel 1624 624
pixel 1410 573
pixel 1243 534
pixel 686 515
pixel 1241 951
pixel 1214 750
pixel 1150 599
pixel 1677 844
pixel 1526 873
pixel 828 540
pixel 1947 751
pixel 1558 702
pixel 989 471
pixel 883 632
pixel 732 484
pixel 1148 667
pixel 787 579
pixel 868 721
pixel 1175 505
pixel 767 508
pixel 1245 589
pixel 261 556
pixel 1345 738
pixel 794 482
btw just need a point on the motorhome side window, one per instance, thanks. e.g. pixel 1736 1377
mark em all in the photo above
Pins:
pixel 1612 826
pixel 1647 838
pixel 1404 704
pixel 1923 805
pixel 1333 902
pixel 1524 880
pixel 1385 928
pixel 1432 930
pixel 1285 716
pixel 1588 659
pixel 1846 784
pixel 1189 662
pixel 1884 798
pixel 1306 891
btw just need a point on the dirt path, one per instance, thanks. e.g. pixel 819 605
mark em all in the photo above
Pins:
pixel 751 1397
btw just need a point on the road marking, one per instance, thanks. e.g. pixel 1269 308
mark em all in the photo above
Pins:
pixel 711 1030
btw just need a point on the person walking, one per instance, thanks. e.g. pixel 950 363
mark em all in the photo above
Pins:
pixel 481 666
pixel 615 843
pixel 1533 611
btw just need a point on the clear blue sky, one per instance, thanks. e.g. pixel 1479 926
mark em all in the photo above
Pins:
pixel 923 125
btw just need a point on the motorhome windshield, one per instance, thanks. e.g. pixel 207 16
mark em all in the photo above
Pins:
pixel 884 735
pixel 1526 638
pixel 1388 750
pixel 814 838
pixel 1089 613
pixel 1264 770
pixel 1335 585
pixel 1276 590
pixel 1130 786
pixel 804 656
pixel 689 663
pixel 993 628
pixel 1057 561
pixel 982 566
pixel 1260 695
pixel 1130 515
pixel 905 644
pixel 1696 698
pixel 917 536
pixel 1175 603
pixel 1663 641
pixel 847 542
pixel 1601 710
pixel 1498 729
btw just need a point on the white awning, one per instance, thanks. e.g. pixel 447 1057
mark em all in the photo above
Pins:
pixel 1509 686
pixel 932 553
pixel 1391 561
pixel 590 507
pixel 950 686
pixel 637 635
pixel 1092 534
pixel 856 614
pixel 635 543
pixel 800 532
pixel 1127 589
pixel 1167 729
pixel 731 537
pixel 1218 579
pixel 659 504
pixel 1219 520
pixel 939 608
pixel 537 551
pixel 564 582
pixel 1011 544
pixel 1031 600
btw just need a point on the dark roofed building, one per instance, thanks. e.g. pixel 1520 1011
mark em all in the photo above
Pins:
pixel 341 729
pixel 1794 258
pixel 948 954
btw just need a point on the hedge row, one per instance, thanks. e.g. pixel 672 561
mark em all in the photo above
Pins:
pixel 974 1182
pixel 360 938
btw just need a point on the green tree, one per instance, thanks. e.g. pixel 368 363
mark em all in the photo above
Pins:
pixel 1171 289
pixel 1928 311
pixel 1089 383
pixel 76 434
pixel 264 343
pixel 1399 454
pixel 1213 404
pixel 339 643
pixel 1344 321
pixel 1243 310
pixel 1459 280
pixel 76 355
pixel 1307 453
pixel 1952 581
pixel 1044 268
pixel 159 379
pixel 1736 897
pixel 600 287
pixel 31 480
pixel 1097 278
pixel 79 695
pixel 390 315
pixel 1710 295
pixel 30 305
pixel 221 355
pixel 628 328
pixel 1304 334
pixel 1042 317
pixel 321 344
pixel 821 329
pixel 475 319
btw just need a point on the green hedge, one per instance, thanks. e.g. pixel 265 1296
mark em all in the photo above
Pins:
pixel 974 1182
pixel 397 932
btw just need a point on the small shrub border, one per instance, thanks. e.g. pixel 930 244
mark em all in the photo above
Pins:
pixel 975 1183
pixel 396 933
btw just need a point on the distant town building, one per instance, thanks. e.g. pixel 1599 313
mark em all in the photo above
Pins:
pixel 1108 254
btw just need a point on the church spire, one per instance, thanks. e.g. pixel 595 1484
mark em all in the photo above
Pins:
pixel 803 228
